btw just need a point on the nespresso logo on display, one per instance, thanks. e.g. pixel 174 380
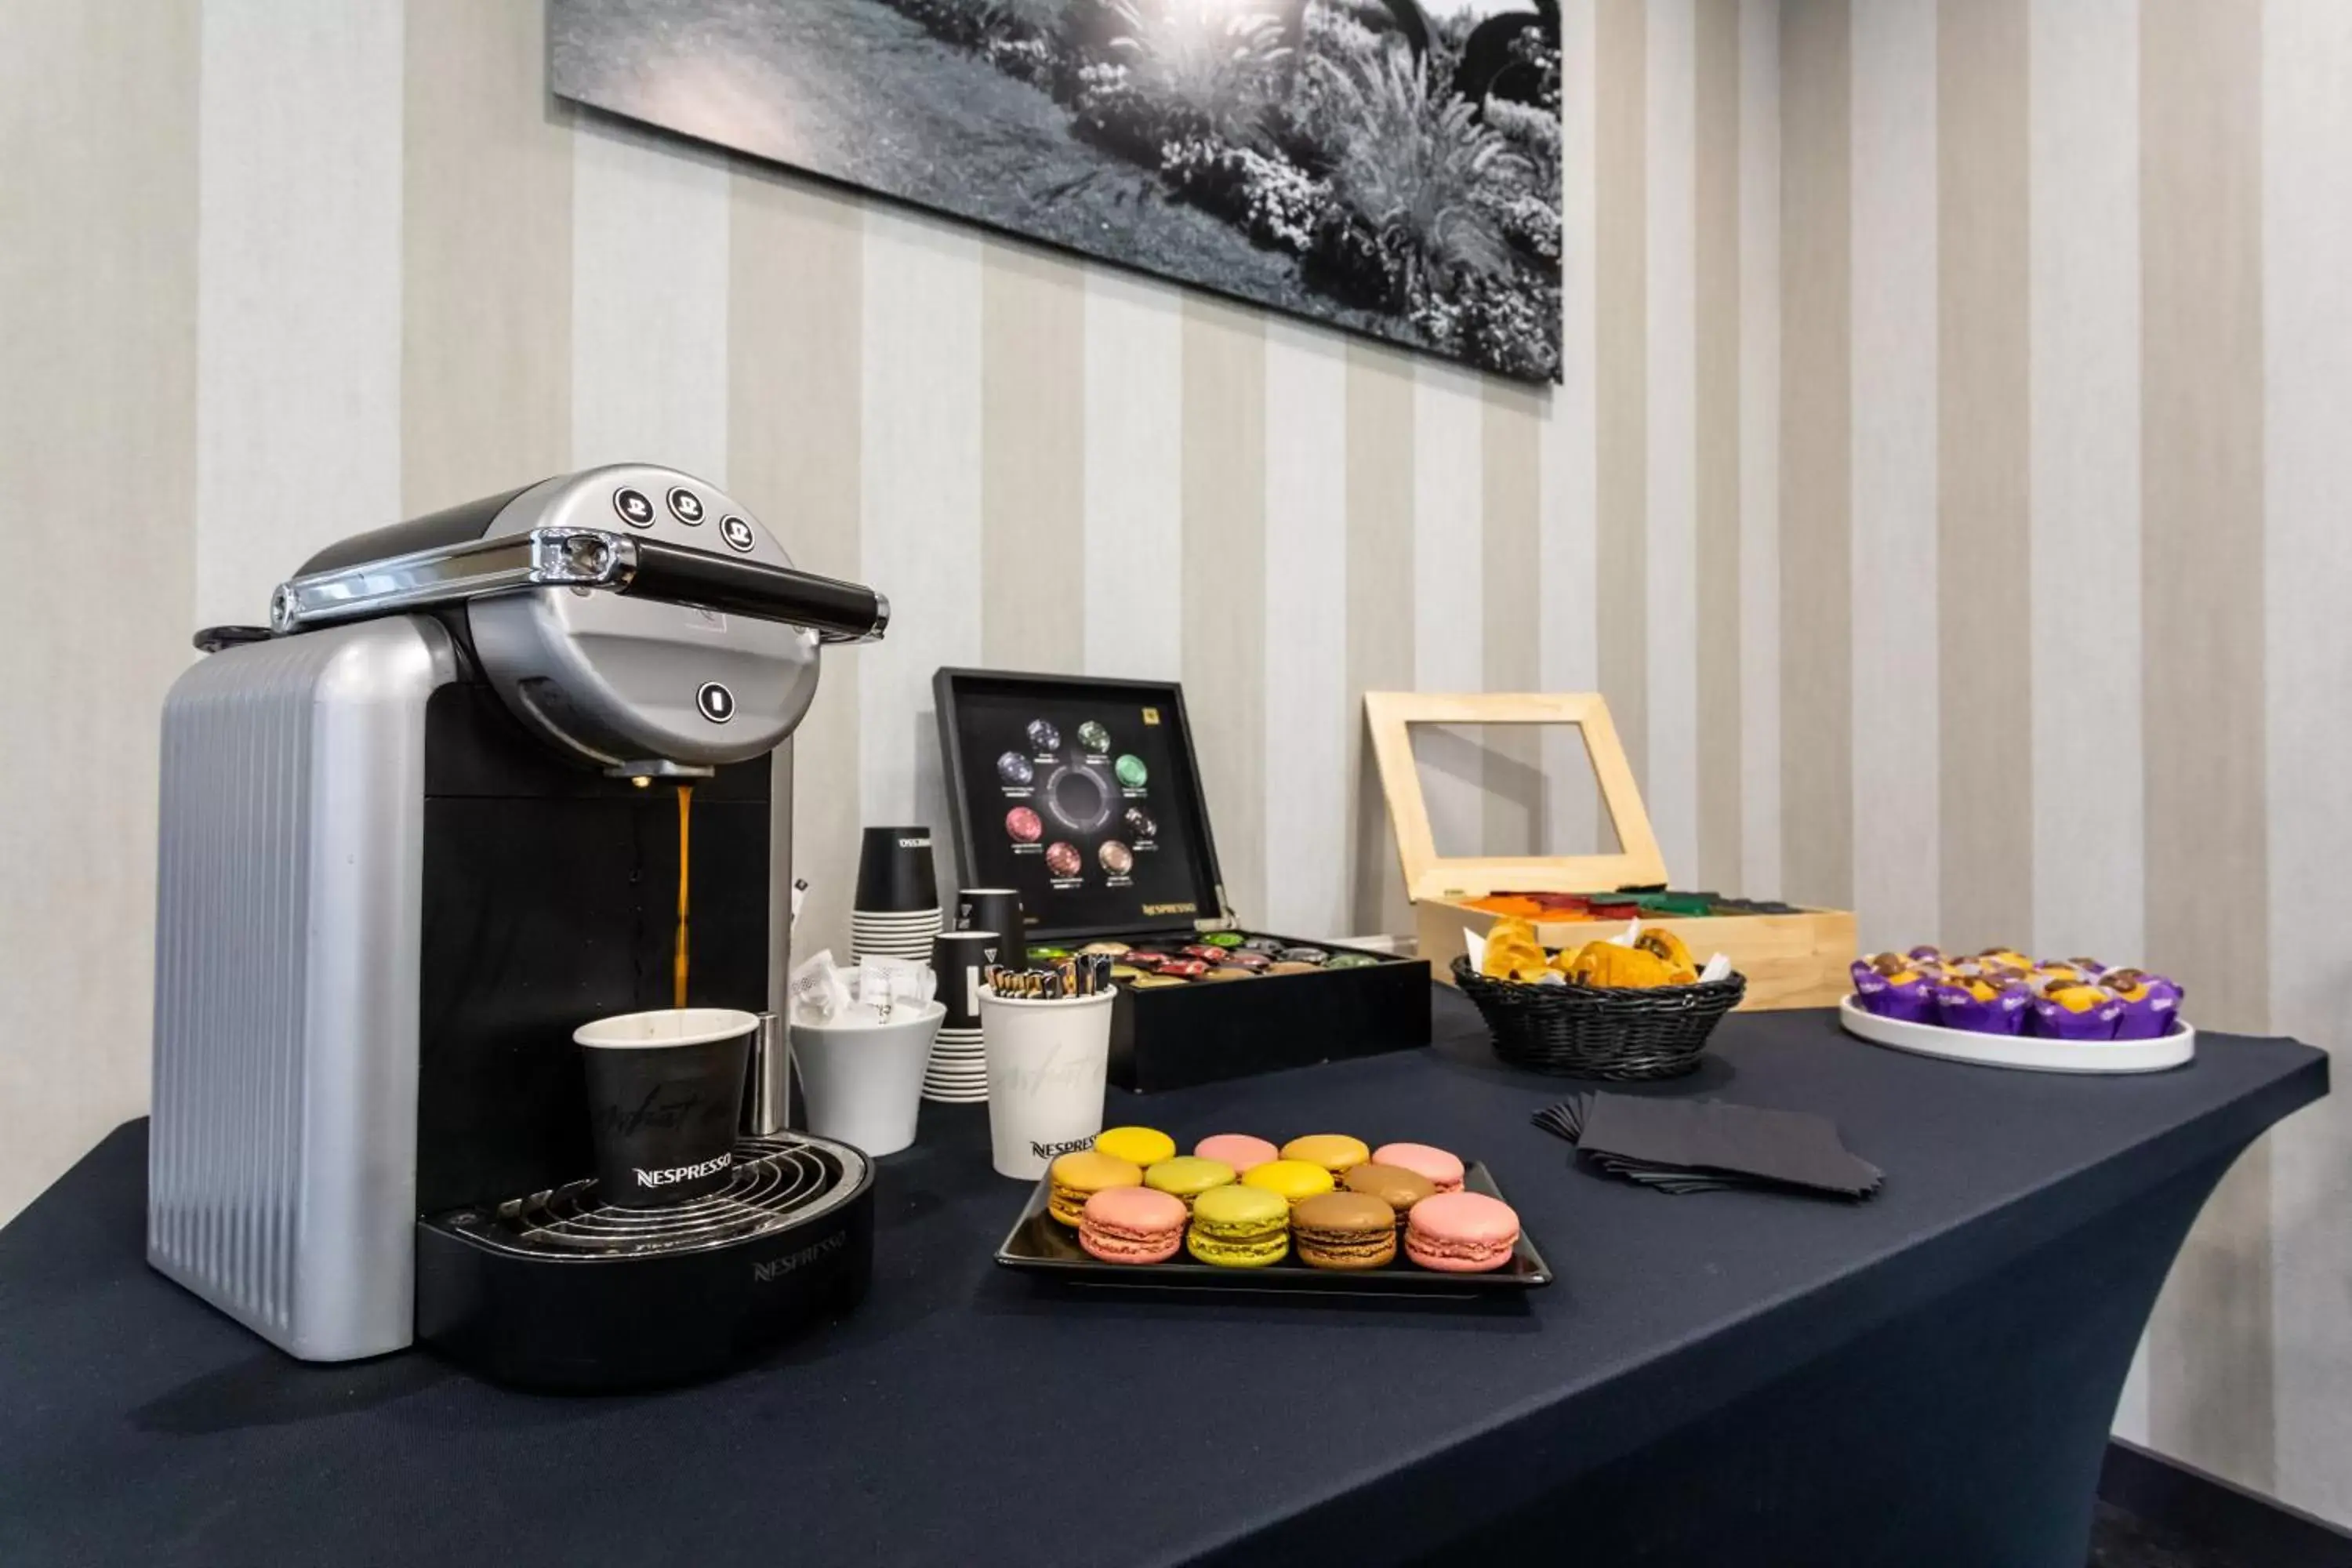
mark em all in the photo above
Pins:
pixel 1172 909
pixel 1055 1151
pixel 914 843
pixel 676 1174
pixel 777 1268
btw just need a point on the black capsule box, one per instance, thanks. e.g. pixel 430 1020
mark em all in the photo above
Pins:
pixel 1083 795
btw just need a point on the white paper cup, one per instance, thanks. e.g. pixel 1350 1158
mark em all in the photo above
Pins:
pixel 862 1084
pixel 1046 1063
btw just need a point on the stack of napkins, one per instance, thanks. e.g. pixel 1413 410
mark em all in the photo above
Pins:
pixel 1703 1145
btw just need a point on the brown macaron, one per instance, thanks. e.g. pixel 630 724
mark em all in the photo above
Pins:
pixel 1343 1230
pixel 1393 1184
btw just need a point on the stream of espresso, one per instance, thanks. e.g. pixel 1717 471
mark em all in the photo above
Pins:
pixel 685 835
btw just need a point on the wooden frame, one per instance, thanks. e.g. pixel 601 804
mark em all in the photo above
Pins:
pixel 1427 875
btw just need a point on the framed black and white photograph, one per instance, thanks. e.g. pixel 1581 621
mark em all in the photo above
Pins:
pixel 1389 166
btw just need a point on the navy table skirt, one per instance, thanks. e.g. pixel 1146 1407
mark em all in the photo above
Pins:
pixel 1727 1378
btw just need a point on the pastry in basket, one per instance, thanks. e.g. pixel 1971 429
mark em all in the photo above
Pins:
pixel 2085 1011
pixel 1607 966
pixel 1981 1005
pixel 1893 986
pixel 1513 952
pixel 1667 947
pixel 2150 1002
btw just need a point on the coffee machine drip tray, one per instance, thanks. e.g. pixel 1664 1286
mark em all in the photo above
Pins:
pixel 557 1290
pixel 777 1183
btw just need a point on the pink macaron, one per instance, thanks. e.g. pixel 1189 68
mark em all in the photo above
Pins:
pixel 1442 1169
pixel 1457 1233
pixel 1238 1149
pixel 1132 1224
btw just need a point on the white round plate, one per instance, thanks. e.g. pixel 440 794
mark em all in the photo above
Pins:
pixel 2027 1051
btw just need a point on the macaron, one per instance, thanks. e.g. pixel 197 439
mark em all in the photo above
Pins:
pixel 1334 1152
pixel 1443 1170
pixel 1131 1225
pixel 1343 1230
pixel 1239 1149
pixel 1393 1184
pixel 1290 967
pixel 1461 1233
pixel 1239 1227
pixel 1228 972
pixel 1144 1146
pixel 1293 1180
pixel 1114 948
pixel 1079 1175
pixel 1187 1176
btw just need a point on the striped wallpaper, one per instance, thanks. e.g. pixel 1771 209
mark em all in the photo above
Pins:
pixel 1942 488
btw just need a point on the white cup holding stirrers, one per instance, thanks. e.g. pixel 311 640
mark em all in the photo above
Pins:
pixel 862 1082
pixel 1048 1061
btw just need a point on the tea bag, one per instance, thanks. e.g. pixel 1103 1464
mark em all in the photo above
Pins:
pixel 885 984
pixel 819 990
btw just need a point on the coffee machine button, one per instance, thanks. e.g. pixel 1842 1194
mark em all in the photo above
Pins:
pixel 686 506
pixel 737 533
pixel 634 508
pixel 718 703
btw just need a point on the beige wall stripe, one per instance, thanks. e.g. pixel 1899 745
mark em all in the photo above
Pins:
pixel 2201 574
pixel 1512 609
pixel 1380 609
pixel 98 435
pixel 486 341
pixel 1621 612
pixel 1033 474
pixel 795 284
pixel 1816 445
pixel 1224 582
pixel 1985 574
pixel 1718 250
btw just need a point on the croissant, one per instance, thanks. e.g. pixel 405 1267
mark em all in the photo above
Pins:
pixel 1669 947
pixel 1512 951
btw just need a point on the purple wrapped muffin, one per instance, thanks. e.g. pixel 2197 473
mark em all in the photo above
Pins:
pixel 1903 994
pixel 2076 1013
pixel 1981 1007
pixel 2150 1002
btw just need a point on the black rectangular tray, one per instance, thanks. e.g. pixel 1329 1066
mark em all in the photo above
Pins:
pixel 1039 1244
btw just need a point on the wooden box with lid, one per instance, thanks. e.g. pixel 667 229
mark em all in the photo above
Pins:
pixel 1792 957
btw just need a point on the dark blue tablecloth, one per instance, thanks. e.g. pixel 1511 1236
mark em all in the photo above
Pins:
pixel 1925 1378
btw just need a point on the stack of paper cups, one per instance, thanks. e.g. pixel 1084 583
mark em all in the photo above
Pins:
pixel 958 1071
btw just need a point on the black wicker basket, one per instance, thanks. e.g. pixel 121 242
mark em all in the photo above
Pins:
pixel 1583 1031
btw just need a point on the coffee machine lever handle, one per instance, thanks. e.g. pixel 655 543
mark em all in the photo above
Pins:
pixel 835 610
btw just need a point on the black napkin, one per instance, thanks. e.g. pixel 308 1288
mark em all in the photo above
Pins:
pixel 1701 1145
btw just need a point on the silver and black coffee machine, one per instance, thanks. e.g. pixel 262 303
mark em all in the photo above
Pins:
pixel 415 832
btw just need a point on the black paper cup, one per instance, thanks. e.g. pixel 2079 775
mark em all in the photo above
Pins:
pixel 665 1093
pixel 993 909
pixel 960 959
pixel 894 873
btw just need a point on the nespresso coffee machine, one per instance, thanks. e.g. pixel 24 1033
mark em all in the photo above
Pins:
pixel 414 833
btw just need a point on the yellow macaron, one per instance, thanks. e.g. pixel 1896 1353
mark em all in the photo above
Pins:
pixel 1334 1152
pixel 1144 1146
pixel 1078 1176
pixel 1292 1181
